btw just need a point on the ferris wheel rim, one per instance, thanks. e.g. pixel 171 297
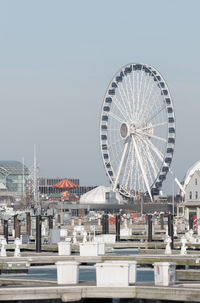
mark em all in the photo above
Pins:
pixel 152 69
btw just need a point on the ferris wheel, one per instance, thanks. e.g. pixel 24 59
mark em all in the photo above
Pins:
pixel 137 130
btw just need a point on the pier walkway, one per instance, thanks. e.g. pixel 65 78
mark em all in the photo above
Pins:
pixel 70 293
pixel 147 259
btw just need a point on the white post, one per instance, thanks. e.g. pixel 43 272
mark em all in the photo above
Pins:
pixel 17 248
pixel 3 248
pixel 168 250
pixel 164 273
pixel 183 246
pixel 67 272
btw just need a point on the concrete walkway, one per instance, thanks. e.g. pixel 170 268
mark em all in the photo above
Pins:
pixel 179 292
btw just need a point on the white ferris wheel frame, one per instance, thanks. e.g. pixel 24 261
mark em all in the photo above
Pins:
pixel 137 148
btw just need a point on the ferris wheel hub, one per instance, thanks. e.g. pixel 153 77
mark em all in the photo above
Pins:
pixel 128 130
pixel 124 130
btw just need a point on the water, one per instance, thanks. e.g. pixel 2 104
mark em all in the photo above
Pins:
pixel 126 251
pixel 86 273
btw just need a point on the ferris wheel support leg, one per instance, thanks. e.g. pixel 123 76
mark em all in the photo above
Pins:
pixel 177 181
pixel 120 166
pixel 142 168
pixel 160 156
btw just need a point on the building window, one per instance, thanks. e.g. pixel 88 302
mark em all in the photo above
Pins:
pixel 180 210
pixel 190 195
pixel 196 181
pixel 196 194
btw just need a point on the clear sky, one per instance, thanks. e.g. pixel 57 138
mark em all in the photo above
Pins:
pixel 56 60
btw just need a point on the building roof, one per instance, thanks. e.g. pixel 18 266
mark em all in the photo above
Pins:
pixel 97 195
pixel 190 172
pixel 13 168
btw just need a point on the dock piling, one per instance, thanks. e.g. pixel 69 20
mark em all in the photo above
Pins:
pixel 38 233
pixel 17 227
pixel 117 226
pixel 50 218
pixel 171 229
pixel 149 228
pixel 28 224
pixel 5 229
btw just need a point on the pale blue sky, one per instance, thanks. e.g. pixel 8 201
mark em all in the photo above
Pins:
pixel 56 60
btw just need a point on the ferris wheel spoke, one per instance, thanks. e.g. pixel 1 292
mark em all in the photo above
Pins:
pixel 115 117
pixel 155 114
pixel 128 96
pixel 129 174
pixel 120 166
pixel 137 90
pixel 146 161
pixel 134 89
pixel 140 87
pixel 132 94
pixel 128 180
pixel 147 98
pixel 127 164
pixel 149 105
pixel 147 85
pixel 155 137
pixel 141 152
pixel 161 157
pixel 127 100
pixel 152 161
pixel 120 108
pixel 112 129
pixel 124 102
pixel 135 174
pixel 143 95
pixel 114 143
pixel 142 168
pixel 153 96
pixel 154 125
pixel 132 171
pixel 152 106
pixel 148 167
pixel 157 152
pixel 116 159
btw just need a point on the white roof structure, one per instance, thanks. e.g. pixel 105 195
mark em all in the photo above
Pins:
pixel 190 172
pixel 97 196
pixel 2 186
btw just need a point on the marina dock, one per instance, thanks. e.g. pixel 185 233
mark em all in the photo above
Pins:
pixel 186 289
pixel 71 293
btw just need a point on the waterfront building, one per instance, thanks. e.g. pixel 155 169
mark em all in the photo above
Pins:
pixel 13 176
pixel 190 208
pixel 100 195
pixel 46 187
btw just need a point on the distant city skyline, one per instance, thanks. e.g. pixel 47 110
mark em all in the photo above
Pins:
pixel 57 59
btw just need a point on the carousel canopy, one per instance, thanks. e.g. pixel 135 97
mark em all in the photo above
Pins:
pixel 65 184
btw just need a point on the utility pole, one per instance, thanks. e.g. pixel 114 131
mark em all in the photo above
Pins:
pixel 173 197
pixel 23 181
pixel 35 179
